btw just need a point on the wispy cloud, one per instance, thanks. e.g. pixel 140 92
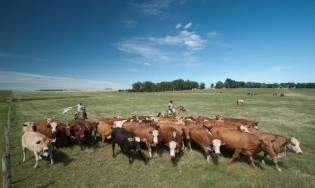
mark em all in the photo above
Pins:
pixel 147 64
pixel 280 68
pixel 179 25
pixel 19 80
pixel 189 39
pixel 154 7
pixel 212 34
pixel 142 49
pixel 130 23
pixel 187 26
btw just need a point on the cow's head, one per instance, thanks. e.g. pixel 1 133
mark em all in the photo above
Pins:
pixel 43 146
pixel 136 141
pixel 216 143
pixel 53 127
pixel 155 134
pixel 294 145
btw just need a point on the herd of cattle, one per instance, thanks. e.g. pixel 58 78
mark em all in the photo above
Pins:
pixel 241 135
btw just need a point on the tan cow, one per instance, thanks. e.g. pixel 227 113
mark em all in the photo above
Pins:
pixel 39 144
pixel 27 126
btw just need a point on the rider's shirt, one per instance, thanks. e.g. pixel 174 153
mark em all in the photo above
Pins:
pixel 79 106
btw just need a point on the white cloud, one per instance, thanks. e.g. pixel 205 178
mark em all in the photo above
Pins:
pixel 154 7
pixel 187 26
pixel 212 34
pixel 280 68
pixel 179 25
pixel 189 39
pixel 144 50
pixel 147 64
pixel 18 81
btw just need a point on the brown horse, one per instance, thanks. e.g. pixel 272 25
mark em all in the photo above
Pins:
pixel 175 112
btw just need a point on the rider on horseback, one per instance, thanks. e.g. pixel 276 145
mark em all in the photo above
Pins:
pixel 81 112
pixel 170 108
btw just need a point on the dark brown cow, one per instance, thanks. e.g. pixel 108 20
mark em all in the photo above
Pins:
pixel 245 143
pixel 146 132
pixel 171 138
pixel 63 134
pixel 180 128
pixel 78 131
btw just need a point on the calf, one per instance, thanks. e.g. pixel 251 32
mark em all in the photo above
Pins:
pixel 245 143
pixel 39 144
pixel 126 141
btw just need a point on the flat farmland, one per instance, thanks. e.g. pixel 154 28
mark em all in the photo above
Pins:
pixel 292 115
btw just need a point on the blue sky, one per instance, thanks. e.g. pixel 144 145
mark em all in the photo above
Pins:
pixel 92 45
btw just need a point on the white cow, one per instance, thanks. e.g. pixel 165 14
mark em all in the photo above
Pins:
pixel 27 126
pixel 39 144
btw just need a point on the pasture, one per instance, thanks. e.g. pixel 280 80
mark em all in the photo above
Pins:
pixel 292 115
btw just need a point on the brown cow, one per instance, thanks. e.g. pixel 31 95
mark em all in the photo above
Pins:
pixel 202 137
pixel 171 138
pixel 280 143
pixel 245 143
pixel 78 131
pixel 147 133
pixel 179 127
pixel 39 144
pixel 104 127
pixel 63 134
pixel 46 127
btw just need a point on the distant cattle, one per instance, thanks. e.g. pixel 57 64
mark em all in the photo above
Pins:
pixel 126 141
pixel 39 144
pixel 274 94
pixel 281 95
pixel 240 101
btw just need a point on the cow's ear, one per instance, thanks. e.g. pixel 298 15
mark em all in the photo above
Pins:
pixel 150 132
pixel 38 142
pixel 130 139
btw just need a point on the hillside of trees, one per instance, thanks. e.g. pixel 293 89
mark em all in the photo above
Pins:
pixel 181 84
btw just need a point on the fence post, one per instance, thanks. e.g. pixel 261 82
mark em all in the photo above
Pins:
pixel 6 158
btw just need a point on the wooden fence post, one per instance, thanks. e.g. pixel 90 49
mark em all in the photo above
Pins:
pixel 6 158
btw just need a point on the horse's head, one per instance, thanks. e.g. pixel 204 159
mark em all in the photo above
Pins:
pixel 181 108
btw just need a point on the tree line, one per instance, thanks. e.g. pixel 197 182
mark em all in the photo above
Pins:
pixel 181 84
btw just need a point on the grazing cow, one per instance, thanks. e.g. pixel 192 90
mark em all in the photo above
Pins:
pixel 126 141
pixel 281 144
pixel 78 131
pixel 147 133
pixel 245 143
pixel 39 144
pixel 170 137
pixel 202 137
pixel 46 127
pixel 63 134
pixel 281 95
pixel 27 126
pixel 240 101
pixel 274 94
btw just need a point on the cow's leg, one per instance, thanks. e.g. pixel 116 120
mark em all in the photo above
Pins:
pixel 51 158
pixel 274 159
pixel 36 159
pixel 189 144
pixel 23 148
pixel 252 161
pixel 103 139
pixel 113 148
pixel 235 155
pixel 265 157
pixel 205 149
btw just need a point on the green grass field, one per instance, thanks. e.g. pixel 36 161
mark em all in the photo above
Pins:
pixel 293 115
